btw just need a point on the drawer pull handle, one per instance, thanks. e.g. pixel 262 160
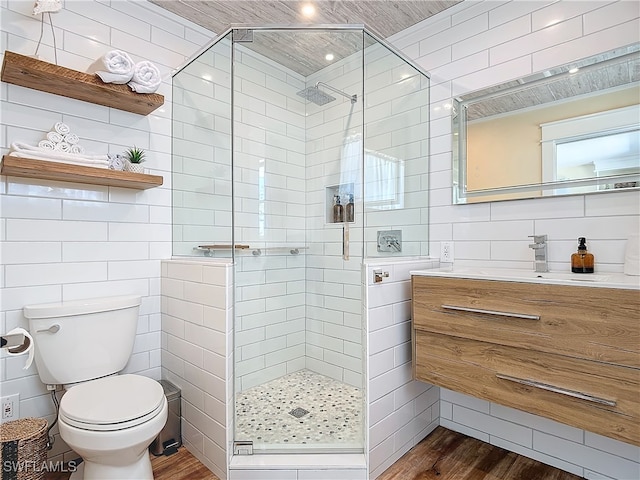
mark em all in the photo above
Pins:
pixel 491 312
pixel 563 391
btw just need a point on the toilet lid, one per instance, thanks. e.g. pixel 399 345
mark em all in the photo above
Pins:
pixel 112 403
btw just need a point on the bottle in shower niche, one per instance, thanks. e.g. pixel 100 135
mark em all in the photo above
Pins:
pixel 582 261
pixel 349 210
pixel 338 210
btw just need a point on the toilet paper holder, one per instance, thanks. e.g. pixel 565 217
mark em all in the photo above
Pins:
pixel 12 340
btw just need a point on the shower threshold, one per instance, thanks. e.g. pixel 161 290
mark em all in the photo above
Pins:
pixel 344 465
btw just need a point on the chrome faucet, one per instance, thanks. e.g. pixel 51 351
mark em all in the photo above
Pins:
pixel 539 246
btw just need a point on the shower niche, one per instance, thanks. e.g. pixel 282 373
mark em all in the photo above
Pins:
pixel 340 203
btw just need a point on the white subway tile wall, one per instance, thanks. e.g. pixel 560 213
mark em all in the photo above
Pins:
pixel 197 354
pixel 401 411
pixel 334 327
pixel 65 241
pixel 269 176
pixel 478 44
pixel 201 149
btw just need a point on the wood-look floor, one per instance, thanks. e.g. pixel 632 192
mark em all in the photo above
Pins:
pixel 448 455
pixel 179 466
pixel 443 455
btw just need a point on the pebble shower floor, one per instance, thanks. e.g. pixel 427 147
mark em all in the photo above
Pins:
pixel 300 408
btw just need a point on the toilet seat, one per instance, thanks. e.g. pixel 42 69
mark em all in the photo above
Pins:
pixel 112 403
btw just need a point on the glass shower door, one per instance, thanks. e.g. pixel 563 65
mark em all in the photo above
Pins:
pixel 201 154
pixel 298 308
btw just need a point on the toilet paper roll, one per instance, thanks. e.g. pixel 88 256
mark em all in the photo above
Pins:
pixel 632 255
pixel 25 348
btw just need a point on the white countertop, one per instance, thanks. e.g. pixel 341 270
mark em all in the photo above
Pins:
pixel 602 280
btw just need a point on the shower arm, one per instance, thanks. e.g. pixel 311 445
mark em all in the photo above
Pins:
pixel 354 97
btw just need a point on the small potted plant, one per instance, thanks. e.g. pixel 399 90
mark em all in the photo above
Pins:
pixel 135 156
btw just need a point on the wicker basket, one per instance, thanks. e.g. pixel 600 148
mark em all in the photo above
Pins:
pixel 24 449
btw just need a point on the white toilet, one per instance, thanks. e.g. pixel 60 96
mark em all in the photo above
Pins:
pixel 108 419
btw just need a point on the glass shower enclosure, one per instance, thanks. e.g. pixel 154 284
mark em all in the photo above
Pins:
pixel 298 153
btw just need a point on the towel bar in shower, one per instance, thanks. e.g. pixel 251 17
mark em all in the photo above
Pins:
pixel 255 251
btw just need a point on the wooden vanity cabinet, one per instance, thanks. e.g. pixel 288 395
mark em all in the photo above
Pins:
pixel 565 352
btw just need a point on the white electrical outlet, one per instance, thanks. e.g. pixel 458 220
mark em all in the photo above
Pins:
pixel 10 407
pixel 446 252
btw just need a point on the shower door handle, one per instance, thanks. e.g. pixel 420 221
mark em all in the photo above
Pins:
pixel 345 241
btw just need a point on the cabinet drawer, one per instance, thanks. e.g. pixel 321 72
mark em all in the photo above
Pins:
pixel 590 395
pixel 594 323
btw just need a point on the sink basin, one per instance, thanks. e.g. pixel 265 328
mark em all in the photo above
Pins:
pixel 525 274
pixel 574 277
pixel 613 280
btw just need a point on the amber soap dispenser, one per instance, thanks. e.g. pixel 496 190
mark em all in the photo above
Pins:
pixel 582 261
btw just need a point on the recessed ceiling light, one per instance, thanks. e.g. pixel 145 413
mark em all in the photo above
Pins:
pixel 328 57
pixel 574 70
pixel 308 10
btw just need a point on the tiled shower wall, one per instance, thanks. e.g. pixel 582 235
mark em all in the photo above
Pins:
pixel 478 44
pixel 197 354
pixel 201 152
pixel 396 133
pixel 285 324
pixel 334 289
pixel 273 337
pixel 395 103
pixel 269 159
pixel 64 241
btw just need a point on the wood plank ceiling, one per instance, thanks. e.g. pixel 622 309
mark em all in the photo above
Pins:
pixel 305 52
pixel 616 69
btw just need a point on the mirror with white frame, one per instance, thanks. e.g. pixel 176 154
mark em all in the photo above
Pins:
pixel 573 129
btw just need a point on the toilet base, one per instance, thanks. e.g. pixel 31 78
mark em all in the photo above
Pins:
pixel 139 470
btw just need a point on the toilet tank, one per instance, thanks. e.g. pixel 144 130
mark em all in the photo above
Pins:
pixel 83 339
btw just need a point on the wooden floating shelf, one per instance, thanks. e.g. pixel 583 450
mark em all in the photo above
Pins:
pixel 46 77
pixel 64 172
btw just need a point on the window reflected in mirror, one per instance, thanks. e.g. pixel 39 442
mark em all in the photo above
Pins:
pixel 552 133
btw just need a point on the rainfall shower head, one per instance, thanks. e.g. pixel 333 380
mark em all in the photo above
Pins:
pixel 315 95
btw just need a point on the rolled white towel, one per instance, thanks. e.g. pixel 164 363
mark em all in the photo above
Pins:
pixel 75 148
pixel 115 66
pixel 55 137
pixel 63 147
pixel 146 78
pixel 47 144
pixel 71 138
pixel 61 128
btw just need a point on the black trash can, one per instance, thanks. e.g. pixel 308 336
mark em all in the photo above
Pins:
pixel 170 438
